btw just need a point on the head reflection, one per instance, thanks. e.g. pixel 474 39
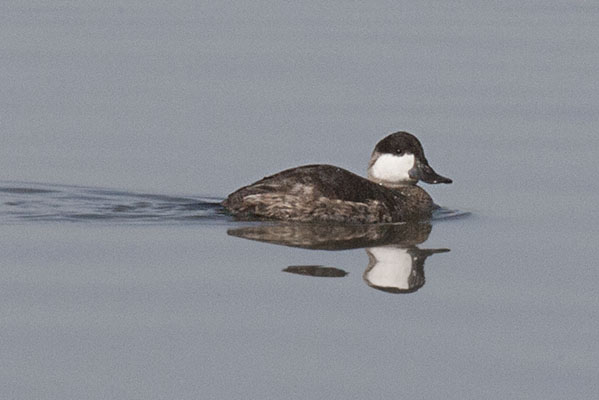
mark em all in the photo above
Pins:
pixel 396 264
pixel 395 269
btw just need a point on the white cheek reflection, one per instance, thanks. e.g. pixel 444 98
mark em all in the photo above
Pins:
pixel 392 168
pixel 392 267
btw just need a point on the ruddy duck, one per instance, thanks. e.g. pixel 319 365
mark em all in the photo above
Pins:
pixel 324 193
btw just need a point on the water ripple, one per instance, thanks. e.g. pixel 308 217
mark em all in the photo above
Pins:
pixel 42 202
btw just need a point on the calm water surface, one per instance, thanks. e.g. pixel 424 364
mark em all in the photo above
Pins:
pixel 121 277
pixel 116 294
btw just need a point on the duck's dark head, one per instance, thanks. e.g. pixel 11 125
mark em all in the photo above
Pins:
pixel 399 160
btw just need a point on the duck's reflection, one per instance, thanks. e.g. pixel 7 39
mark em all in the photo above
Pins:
pixel 396 269
pixel 396 264
pixel 316 270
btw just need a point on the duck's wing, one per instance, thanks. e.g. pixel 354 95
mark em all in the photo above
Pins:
pixel 314 180
pixel 313 192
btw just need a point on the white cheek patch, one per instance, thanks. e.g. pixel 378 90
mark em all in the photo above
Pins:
pixel 393 268
pixel 392 168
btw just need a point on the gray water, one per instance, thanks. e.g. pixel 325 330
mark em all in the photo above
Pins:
pixel 123 124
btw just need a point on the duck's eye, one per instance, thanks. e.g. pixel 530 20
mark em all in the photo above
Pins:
pixel 399 151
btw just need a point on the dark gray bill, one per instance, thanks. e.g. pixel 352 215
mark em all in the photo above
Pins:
pixel 425 173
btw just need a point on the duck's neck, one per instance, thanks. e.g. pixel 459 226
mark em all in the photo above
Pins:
pixel 390 184
pixel 393 185
pixel 416 202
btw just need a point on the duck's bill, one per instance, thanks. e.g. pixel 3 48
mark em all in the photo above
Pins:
pixel 426 174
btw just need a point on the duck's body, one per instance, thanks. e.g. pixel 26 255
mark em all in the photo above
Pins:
pixel 325 193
